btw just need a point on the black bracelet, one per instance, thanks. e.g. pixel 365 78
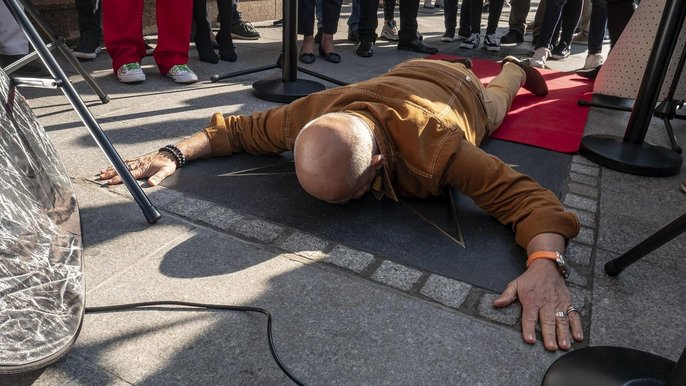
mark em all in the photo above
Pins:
pixel 179 158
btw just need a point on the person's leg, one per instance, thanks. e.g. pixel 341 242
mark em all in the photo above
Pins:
pixel 366 31
pixel 538 21
pixel 368 21
pixel 585 21
pixel 389 30
pixel 90 31
pixel 596 28
pixel 596 33
pixel 494 11
pixel 389 9
pixel 519 10
pixel 123 31
pixel 619 12
pixel 306 28
pixel 409 9
pixel 498 95
pixel 331 12
pixel 553 11
pixel 225 34
pixel 318 14
pixel 474 39
pixel 571 14
pixel 173 34
pixel 465 20
pixel 241 29
pixel 354 18
pixel 449 20
pixel 203 41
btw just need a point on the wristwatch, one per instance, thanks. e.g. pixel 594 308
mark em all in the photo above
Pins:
pixel 555 256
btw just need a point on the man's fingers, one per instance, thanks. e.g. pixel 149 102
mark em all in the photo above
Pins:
pixel 159 176
pixel 564 340
pixel 548 325
pixel 529 318
pixel 507 297
pixel 575 323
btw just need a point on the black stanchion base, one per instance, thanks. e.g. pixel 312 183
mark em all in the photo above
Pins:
pixel 643 160
pixel 279 90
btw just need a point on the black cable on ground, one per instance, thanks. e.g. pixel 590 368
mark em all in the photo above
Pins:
pixel 121 307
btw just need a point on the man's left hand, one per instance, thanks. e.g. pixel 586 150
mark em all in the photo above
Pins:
pixel 545 298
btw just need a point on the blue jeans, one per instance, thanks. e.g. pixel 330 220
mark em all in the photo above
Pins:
pixel 567 13
pixel 596 29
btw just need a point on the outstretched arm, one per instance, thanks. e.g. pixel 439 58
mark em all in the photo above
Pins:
pixel 158 165
pixel 542 292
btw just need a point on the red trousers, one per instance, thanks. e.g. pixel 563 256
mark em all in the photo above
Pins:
pixel 122 22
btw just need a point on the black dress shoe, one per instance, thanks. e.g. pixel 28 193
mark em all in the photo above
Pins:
pixel 307 58
pixel 365 48
pixel 417 45
pixel 332 57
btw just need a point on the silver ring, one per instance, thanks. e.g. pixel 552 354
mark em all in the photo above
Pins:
pixel 572 309
pixel 560 314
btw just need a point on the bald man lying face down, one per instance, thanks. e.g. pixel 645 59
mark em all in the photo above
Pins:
pixel 410 133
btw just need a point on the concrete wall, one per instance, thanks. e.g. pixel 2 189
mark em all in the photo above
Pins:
pixel 60 15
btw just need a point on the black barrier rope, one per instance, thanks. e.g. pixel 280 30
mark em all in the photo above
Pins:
pixel 123 307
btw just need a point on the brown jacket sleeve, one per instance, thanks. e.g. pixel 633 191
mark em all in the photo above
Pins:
pixel 511 197
pixel 264 132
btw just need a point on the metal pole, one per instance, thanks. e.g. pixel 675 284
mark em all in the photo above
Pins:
pixel 151 213
pixel 653 242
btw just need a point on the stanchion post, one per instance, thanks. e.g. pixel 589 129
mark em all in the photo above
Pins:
pixel 631 154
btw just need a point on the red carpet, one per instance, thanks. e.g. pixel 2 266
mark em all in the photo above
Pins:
pixel 554 122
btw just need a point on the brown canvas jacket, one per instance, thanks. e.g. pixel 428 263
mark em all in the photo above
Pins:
pixel 428 119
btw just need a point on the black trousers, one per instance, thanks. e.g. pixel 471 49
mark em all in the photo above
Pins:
pixel 331 11
pixel 88 12
pixel 619 13
pixel 369 21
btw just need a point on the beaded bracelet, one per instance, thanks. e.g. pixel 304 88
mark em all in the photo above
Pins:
pixel 179 158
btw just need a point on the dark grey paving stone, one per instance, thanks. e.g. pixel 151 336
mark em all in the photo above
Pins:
pixel 642 308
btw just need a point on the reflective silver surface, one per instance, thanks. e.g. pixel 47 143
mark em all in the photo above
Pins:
pixel 41 279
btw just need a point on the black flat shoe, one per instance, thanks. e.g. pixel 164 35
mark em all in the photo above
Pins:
pixel 307 58
pixel 417 46
pixel 589 74
pixel 329 57
pixel 365 48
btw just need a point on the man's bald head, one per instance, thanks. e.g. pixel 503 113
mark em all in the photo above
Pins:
pixel 334 157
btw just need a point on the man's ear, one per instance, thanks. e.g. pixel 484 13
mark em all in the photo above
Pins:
pixel 377 161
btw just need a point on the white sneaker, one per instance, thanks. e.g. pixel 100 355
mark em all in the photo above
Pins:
pixel 131 73
pixel 593 61
pixel 181 73
pixel 471 43
pixel 390 31
pixel 539 57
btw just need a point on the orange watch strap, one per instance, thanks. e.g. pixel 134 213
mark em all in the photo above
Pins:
pixel 542 255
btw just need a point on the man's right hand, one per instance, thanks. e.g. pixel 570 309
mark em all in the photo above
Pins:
pixel 154 166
